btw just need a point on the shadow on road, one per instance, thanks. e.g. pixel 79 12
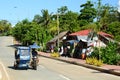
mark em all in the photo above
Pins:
pixel 15 45
pixel 97 72
pixel 12 67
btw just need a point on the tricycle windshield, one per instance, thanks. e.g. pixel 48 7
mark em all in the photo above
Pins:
pixel 24 53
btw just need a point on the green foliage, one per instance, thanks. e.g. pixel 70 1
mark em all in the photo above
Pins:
pixel 114 29
pixel 108 54
pixel 20 31
pixel 68 21
pixel 107 14
pixel 38 19
pixel 62 10
pixel 91 26
pixel 5 27
pixel 88 13
pixel 82 23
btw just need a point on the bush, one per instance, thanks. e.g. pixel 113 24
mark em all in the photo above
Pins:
pixel 94 61
pixel 108 55
pixel 55 54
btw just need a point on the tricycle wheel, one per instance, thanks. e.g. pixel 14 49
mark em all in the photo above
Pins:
pixel 15 66
pixel 34 65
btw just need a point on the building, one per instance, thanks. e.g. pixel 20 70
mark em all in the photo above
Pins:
pixel 57 40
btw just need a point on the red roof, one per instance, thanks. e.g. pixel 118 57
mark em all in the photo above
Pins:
pixel 105 34
pixel 81 33
pixel 86 32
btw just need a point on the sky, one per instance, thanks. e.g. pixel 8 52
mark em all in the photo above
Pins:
pixel 17 10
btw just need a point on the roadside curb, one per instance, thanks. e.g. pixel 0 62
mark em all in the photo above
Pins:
pixel 86 65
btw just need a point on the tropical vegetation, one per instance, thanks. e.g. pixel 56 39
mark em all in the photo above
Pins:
pixel 108 54
pixel 47 25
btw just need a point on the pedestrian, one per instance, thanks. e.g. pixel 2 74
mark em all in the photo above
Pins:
pixel 52 48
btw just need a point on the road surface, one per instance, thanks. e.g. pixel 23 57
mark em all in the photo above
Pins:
pixel 48 69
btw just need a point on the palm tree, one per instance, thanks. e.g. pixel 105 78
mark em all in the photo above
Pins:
pixel 46 18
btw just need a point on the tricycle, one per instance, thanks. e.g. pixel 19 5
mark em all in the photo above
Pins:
pixel 23 58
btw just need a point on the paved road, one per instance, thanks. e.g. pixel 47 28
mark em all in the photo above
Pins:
pixel 48 69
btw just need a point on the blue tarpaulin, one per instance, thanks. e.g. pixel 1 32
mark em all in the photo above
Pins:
pixel 34 46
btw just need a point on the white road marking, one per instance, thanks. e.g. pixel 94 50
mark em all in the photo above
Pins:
pixel 0 75
pixel 8 78
pixel 64 77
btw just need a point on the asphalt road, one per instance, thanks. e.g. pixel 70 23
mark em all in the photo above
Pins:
pixel 48 69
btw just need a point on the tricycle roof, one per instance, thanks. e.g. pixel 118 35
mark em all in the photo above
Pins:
pixel 23 47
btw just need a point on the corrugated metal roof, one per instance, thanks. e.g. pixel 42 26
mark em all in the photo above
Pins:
pixel 86 32
pixel 61 35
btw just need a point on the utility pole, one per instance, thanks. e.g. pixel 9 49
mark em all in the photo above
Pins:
pixel 58 30
pixel 98 25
